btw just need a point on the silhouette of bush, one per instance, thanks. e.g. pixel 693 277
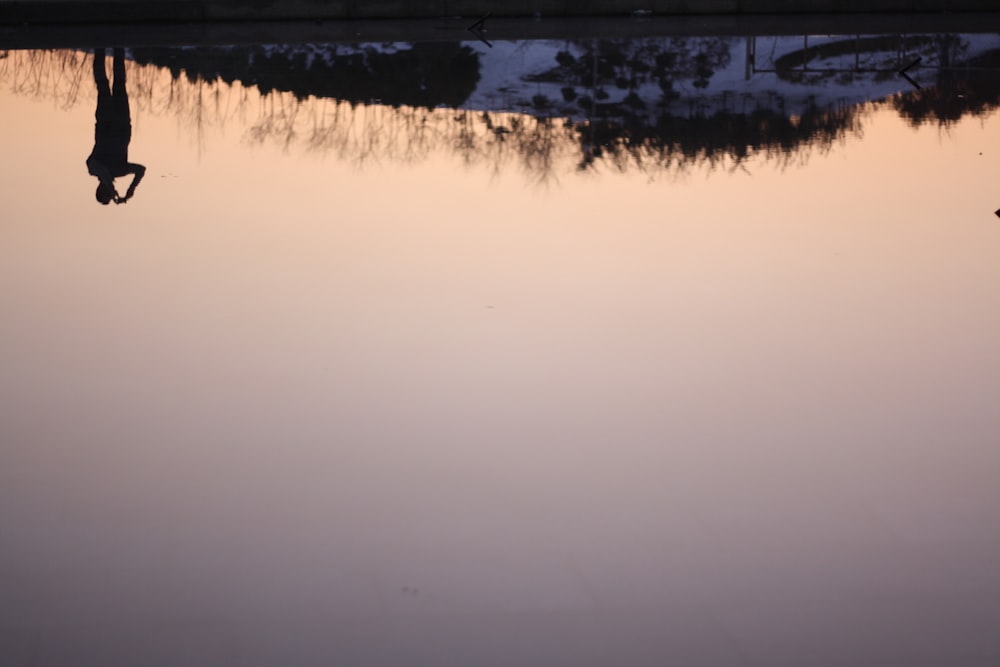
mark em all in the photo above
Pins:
pixel 974 90
pixel 425 75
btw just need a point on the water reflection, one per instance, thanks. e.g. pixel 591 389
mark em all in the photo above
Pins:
pixel 284 410
pixel 112 132
pixel 660 106
pixel 971 87
pixel 655 104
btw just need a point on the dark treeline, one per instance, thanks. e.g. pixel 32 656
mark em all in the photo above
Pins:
pixel 603 80
pixel 426 75
pixel 971 88
pixel 676 140
pixel 604 102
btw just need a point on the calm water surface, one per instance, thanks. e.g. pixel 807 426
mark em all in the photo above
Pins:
pixel 676 351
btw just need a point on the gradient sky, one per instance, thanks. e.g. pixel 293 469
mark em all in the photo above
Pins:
pixel 283 408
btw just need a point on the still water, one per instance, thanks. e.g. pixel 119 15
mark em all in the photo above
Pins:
pixel 665 351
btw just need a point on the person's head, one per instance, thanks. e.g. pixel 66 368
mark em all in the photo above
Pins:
pixel 105 193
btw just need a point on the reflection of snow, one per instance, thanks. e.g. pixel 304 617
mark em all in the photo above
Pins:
pixel 757 73
pixel 749 80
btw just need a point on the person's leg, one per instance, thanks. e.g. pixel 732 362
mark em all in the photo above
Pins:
pixel 119 71
pixel 122 117
pixel 104 99
pixel 100 73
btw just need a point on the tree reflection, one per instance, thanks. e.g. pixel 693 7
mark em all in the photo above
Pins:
pixel 60 76
pixel 972 90
pixel 593 109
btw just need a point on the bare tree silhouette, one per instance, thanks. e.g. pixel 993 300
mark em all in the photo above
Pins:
pixel 542 137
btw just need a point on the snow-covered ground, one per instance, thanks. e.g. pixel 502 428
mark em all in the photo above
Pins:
pixel 747 81
pixel 682 76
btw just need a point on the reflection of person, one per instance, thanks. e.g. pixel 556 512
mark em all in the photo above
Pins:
pixel 112 132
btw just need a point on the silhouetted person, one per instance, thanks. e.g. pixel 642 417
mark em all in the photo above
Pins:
pixel 112 132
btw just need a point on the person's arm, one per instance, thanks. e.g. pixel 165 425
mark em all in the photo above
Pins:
pixel 138 172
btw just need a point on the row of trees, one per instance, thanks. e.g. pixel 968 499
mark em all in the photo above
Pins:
pixel 403 103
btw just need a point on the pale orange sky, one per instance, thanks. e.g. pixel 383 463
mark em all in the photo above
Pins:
pixel 279 389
